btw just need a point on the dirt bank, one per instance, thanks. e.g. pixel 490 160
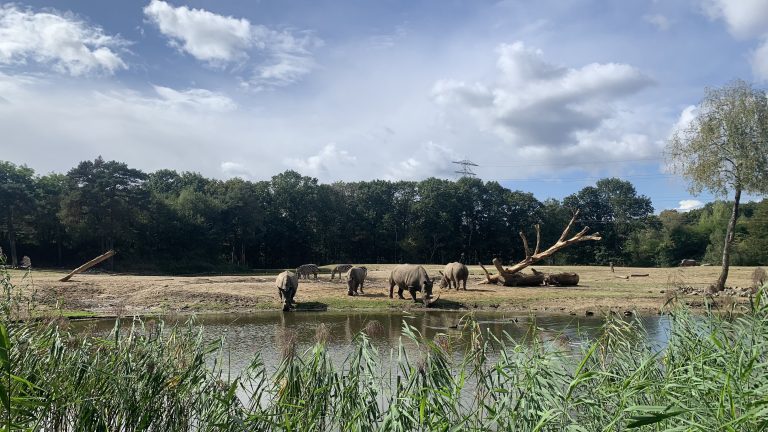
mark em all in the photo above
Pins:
pixel 599 291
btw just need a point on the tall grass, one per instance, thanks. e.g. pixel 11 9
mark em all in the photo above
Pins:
pixel 710 376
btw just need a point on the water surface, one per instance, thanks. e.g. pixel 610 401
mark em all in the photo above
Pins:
pixel 264 332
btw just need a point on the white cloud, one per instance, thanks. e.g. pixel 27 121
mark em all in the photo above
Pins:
pixel 686 118
pixel 430 159
pixel 202 34
pixel 235 169
pixel 329 158
pixel 536 103
pixel 746 19
pixel 759 60
pixel 197 99
pixel 289 57
pixel 661 22
pixel 689 204
pixel 60 40
pixel 283 56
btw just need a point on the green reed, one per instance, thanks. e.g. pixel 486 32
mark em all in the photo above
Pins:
pixel 711 375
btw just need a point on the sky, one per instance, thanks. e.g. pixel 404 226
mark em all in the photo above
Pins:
pixel 545 96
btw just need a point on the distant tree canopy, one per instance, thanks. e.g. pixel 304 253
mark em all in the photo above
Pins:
pixel 173 222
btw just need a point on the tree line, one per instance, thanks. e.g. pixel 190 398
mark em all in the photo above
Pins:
pixel 166 221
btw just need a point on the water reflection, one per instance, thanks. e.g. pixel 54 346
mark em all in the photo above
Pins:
pixel 262 333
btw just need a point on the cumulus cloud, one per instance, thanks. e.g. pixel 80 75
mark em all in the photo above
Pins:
pixel 689 204
pixel 276 57
pixel 235 169
pixel 429 159
pixel 745 19
pixel 202 34
pixel 201 99
pixel 61 40
pixel 686 118
pixel 659 21
pixel 539 104
pixel 329 158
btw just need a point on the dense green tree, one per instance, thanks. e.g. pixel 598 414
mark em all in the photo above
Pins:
pixel 613 208
pixel 49 192
pixel 725 149
pixel 103 204
pixel 16 202
pixel 184 222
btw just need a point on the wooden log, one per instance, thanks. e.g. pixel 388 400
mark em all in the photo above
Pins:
pixel 105 256
pixel 520 279
pixel 562 279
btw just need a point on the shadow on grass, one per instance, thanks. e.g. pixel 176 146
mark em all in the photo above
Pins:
pixel 374 295
pixel 311 307
pixel 442 303
pixel 470 290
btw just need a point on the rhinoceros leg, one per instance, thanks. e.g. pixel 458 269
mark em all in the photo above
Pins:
pixel 413 294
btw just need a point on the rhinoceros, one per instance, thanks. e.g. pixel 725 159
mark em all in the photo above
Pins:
pixel 453 273
pixel 355 279
pixel 287 284
pixel 413 278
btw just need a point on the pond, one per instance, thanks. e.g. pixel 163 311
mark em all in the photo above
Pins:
pixel 263 332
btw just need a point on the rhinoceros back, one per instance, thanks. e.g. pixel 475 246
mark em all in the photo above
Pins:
pixel 410 275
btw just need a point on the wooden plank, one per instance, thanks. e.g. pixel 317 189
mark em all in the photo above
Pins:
pixel 105 256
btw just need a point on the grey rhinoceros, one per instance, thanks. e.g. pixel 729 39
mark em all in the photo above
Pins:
pixel 413 278
pixel 356 279
pixel 453 273
pixel 287 284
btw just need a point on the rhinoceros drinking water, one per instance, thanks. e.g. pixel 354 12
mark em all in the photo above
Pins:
pixel 287 285
pixel 413 278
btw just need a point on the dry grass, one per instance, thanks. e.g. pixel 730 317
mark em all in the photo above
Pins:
pixel 598 290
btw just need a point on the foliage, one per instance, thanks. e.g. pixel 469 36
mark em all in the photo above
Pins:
pixel 725 148
pixel 173 222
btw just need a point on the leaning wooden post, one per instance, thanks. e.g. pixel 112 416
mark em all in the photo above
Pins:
pixel 105 256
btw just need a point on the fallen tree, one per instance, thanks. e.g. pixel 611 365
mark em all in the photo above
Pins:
pixel 105 256
pixel 511 276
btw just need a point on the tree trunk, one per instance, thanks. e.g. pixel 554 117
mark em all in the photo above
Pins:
pixel 88 265
pixel 58 246
pixel 12 238
pixel 729 234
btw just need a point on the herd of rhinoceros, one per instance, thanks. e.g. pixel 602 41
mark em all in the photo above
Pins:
pixel 406 276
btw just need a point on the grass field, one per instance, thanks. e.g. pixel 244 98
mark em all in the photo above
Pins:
pixel 599 291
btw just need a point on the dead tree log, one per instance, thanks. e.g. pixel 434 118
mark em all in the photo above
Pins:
pixel 510 276
pixel 88 265
pixel 561 279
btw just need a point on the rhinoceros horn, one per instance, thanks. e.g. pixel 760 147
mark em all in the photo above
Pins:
pixel 430 301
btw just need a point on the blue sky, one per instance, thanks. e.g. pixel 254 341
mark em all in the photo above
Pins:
pixel 546 96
